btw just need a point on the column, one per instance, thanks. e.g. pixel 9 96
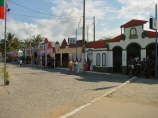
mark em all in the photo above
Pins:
pixel 124 62
pixel 143 54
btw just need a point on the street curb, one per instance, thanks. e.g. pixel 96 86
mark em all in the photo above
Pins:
pixel 93 101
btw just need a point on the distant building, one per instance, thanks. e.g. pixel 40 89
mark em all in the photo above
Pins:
pixel 66 51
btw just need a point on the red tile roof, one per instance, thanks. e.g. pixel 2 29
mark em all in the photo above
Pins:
pixel 133 23
pixel 64 43
pixel 151 34
pixel 49 45
pixel 96 44
pixel 116 39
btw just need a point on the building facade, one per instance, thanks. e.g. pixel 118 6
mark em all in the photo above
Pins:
pixel 133 42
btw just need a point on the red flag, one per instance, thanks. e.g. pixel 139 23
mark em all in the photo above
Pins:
pixel 1 9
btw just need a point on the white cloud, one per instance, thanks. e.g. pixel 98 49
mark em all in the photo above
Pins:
pixel 107 13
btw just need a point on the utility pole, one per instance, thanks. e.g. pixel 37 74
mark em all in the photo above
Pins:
pixel 76 44
pixel 87 32
pixel 94 26
pixel 83 42
pixel 156 42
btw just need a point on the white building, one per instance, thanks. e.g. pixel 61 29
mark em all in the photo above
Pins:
pixel 114 55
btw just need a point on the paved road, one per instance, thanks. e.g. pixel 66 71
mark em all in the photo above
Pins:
pixel 35 92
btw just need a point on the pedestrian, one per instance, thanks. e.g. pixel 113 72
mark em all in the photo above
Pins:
pixel 137 67
pixel 148 67
pixel 130 67
pixel 20 64
pixel 70 64
pixel 85 66
pixel 143 66
pixel 76 68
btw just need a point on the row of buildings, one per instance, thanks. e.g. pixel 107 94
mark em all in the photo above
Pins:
pixel 109 56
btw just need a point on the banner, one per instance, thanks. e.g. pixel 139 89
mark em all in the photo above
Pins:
pixel 1 9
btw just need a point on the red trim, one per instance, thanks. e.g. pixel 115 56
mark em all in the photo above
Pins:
pixel 96 44
pixel 116 39
pixel 133 23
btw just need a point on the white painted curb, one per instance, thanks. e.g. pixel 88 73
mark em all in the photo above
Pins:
pixel 93 101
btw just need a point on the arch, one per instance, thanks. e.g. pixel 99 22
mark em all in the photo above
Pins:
pixel 117 59
pixel 149 44
pixel 134 43
pixel 133 50
pixel 150 50
pixel 117 47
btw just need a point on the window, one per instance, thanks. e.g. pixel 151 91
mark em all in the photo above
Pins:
pixel 133 33
pixel 104 59
pixel 98 60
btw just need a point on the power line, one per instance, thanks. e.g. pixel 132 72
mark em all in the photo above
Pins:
pixel 43 17
pixel 38 11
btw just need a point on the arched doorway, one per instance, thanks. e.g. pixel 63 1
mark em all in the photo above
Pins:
pixel 133 50
pixel 117 59
pixel 151 52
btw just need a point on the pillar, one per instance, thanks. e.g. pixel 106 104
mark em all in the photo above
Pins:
pixel 143 53
pixel 124 62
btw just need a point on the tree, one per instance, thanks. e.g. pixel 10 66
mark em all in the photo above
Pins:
pixel 35 42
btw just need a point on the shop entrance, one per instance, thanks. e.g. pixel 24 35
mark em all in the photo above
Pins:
pixel 57 60
pixel 117 59
pixel 133 51
pixel 65 59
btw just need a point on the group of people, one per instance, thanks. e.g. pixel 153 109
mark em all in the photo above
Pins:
pixel 144 68
pixel 74 65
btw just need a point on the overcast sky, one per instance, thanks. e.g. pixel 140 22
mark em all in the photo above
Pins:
pixel 59 19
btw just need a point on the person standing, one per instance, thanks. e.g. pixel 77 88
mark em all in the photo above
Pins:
pixel 130 67
pixel 143 66
pixel 85 67
pixel 148 67
pixel 70 64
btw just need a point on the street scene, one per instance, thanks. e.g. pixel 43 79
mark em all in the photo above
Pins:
pixel 35 92
pixel 78 59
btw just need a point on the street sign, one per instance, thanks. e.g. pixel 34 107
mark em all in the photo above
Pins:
pixel 153 23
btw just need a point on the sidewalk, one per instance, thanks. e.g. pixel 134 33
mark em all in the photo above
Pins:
pixel 134 100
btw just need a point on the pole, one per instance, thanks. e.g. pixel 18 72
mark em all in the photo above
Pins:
pixel 44 53
pixel 76 44
pixel 156 43
pixel 83 34
pixel 94 26
pixel 83 48
pixel 87 32
pixel 5 39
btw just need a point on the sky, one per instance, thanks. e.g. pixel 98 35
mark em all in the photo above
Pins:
pixel 59 19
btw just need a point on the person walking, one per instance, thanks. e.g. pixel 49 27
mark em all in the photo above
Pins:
pixel 70 64
pixel 76 68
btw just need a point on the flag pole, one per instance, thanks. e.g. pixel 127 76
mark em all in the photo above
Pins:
pixel 6 5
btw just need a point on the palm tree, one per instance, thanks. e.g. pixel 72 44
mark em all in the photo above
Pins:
pixel 35 42
pixel 27 48
pixel 9 38
pixel 17 45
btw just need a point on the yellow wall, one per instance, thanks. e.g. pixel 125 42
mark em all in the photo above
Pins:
pixel 70 51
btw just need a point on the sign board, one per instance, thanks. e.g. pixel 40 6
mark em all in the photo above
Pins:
pixel 153 23
pixel 72 40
